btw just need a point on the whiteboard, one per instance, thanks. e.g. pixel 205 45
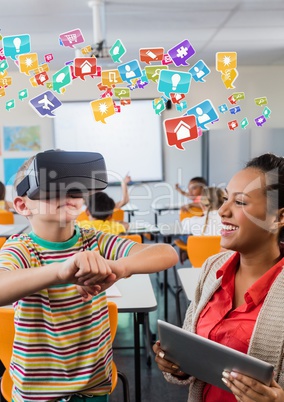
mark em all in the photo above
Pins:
pixel 130 141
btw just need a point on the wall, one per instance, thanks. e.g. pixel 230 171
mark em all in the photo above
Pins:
pixel 179 165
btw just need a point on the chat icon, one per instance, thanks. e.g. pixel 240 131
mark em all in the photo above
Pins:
pixel 238 96
pixel 45 104
pixel 158 105
pixel 72 38
pixel 129 71
pixel 171 81
pixel 199 71
pixel 102 108
pixel 28 62
pixel 177 97
pixel 259 121
pixel 85 66
pixel 204 113
pixel 2 92
pixel 122 92
pixel 3 65
pixel 181 53
pixel 15 45
pixel 5 82
pixel 223 108
pixel 61 79
pixel 153 72
pixel 166 59
pixel 117 51
pixel 179 130
pixel 10 104
pixel 261 101
pixel 226 61
pixel 266 112
pixel 233 125
pixel 48 57
pixel 23 94
pixel 232 100
pixel 181 106
pixel 148 55
pixel 235 110
pixel 86 50
pixel 41 78
pixel 111 77
pixel 228 77
pixel 244 123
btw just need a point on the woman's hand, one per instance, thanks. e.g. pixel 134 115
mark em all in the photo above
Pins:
pixel 165 365
pixel 247 389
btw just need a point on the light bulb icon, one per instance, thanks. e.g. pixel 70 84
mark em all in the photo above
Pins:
pixel 175 80
pixel 17 43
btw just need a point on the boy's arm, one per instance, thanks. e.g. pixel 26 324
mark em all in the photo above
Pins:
pixel 125 195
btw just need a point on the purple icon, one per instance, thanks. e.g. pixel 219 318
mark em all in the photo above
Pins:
pixel 72 38
pixel 181 52
pixel 45 103
pixel 259 121
pixel 235 109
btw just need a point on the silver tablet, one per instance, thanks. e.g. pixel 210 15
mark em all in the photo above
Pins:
pixel 206 359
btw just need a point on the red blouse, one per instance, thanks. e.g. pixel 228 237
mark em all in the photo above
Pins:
pixel 233 328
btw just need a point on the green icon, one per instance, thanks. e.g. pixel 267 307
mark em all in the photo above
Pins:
pixel 61 79
pixel 117 51
pixel 10 104
pixel 238 96
pixel 122 92
pixel 3 65
pixel 23 94
pixel 266 112
pixel 244 123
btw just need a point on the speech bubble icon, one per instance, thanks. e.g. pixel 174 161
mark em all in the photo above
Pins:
pixel 10 104
pixel 238 96
pixel 181 106
pixel 148 55
pixel 5 82
pixel 3 65
pixel 61 79
pixel 85 66
pixel 199 71
pixel 223 108
pixel 181 53
pixel 259 121
pixel 229 77
pixel 158 105
pixel 266 112
pixel 261 101
pixel 153 72
pixel 226 61
pixel 122 92
pixel 179 130
pixel 204 112
pixel 117 51
pixel 16 45
pixel 102 108
pixel 244 123
pixel 23 94
pixel 171 81
pixel 2 92
pixel 72 38
pixel 48 57
pixel 45 104
pixel 235 110
pixel 28 62
pixel 129 71
pixel 233 125
pixel 232 100
pixel 41 78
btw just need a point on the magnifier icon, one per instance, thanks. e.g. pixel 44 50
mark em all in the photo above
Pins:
pixel 122 92
pixel 156 73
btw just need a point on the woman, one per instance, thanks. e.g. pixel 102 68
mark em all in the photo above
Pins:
pixel 239 298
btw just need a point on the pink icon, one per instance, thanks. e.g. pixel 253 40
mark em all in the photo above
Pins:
pixel 2 55
pixel 48 57
pixel 72 38
pixel 166 59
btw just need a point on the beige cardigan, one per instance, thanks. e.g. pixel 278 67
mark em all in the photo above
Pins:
pixel 267 340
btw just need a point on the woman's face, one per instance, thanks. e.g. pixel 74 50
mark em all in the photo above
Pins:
pixel 247 223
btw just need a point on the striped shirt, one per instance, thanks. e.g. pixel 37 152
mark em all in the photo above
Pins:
pixel 62 345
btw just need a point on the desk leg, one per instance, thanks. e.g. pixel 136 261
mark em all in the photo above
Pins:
pixel 156 218
pixel 137 368
pixel 166 294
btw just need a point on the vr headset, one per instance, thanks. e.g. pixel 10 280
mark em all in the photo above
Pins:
pixel 60 173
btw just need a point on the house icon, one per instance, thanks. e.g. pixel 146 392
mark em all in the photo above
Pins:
pixel 182 130
pixel 86 67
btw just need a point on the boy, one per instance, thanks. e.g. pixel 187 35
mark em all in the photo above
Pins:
pixel 194 191
pixel 56 276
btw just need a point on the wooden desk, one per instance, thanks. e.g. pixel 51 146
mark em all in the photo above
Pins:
pixel 9 230
pixel 138 298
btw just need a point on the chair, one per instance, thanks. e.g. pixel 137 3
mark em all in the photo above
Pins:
pixel 118 215
pixel 134 237
pixel 192 211
pixel 83 216
pixel 6 217
pixel 199 248
pixel 2 241
pixel 7 332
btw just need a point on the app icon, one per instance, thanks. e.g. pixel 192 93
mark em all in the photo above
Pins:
pixel 181 106
pixel 122 92
pixel 158 105
pixel 125 102
pixel 102 108
pixel 2 92
pixel 232 100
pixel 266 112
pixel 244 123
pixel 179 130
pixel 259 121
pixel 228 77
pixel 226 61
pixel 10 104
pixel 238 96
pixel 235 110
pixel 111 77
pixel 28 62
pixel 153 72
pixel 61 79
pixel 2 55
pixel 15 45
pixel 204 113
pixel 141 84
pixel 23 94
pixel 129 71
pixel 181 52
pixel 5 82
pixel 3 65
pixel 176 97
pixel 148 55
pixel 199 71
pixel 261 101
pixel 72 38
pixel 233 125
pixel 223 108
pixel 48 57
pixel 171 81
pixel 45 104
pixel 117 51
pixel 41 68
pixel 87 49
pixel 166 59
pixel 41 78
pixel 85 66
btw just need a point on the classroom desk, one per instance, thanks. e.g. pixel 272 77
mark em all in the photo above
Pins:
pixel 158 209
pixel 139 299
pixel 189 279
pixel 139 228
pixel 130 209
pixel 9 230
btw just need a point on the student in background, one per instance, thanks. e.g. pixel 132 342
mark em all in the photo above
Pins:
pixel 4 205
pixel 239 298
pixel 100 209
pixel 193 193
pixel 125 195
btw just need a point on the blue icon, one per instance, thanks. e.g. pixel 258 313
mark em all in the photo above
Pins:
pixel 15 45
pixel 172 81
pixel 199 71
pixel 235 109
pixel 45 103
pixel 129 71
pixel 223 108
pixel 181 106
pixel 204 113
pixel 144 77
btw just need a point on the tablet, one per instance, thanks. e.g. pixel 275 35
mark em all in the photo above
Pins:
pixel 206 359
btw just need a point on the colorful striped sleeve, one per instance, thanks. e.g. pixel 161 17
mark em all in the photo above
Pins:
pixel 113 247
pixel 14 255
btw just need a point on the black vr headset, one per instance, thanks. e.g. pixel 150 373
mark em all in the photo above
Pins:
pixel 59 173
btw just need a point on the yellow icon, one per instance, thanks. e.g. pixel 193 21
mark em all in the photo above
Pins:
pixel 86 49
pixel 49 85
pixel 4 82
pixel 102 108
pixel 3 74
pixel 226 61
pixel 111 77
pixel 228 78
pixel 33 82
pixel 2 92
pixel 28 62
pixel 41 68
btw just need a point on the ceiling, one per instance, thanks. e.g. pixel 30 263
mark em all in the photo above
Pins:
pixel 252 28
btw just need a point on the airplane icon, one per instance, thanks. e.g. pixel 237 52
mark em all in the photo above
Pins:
pixel 46 102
